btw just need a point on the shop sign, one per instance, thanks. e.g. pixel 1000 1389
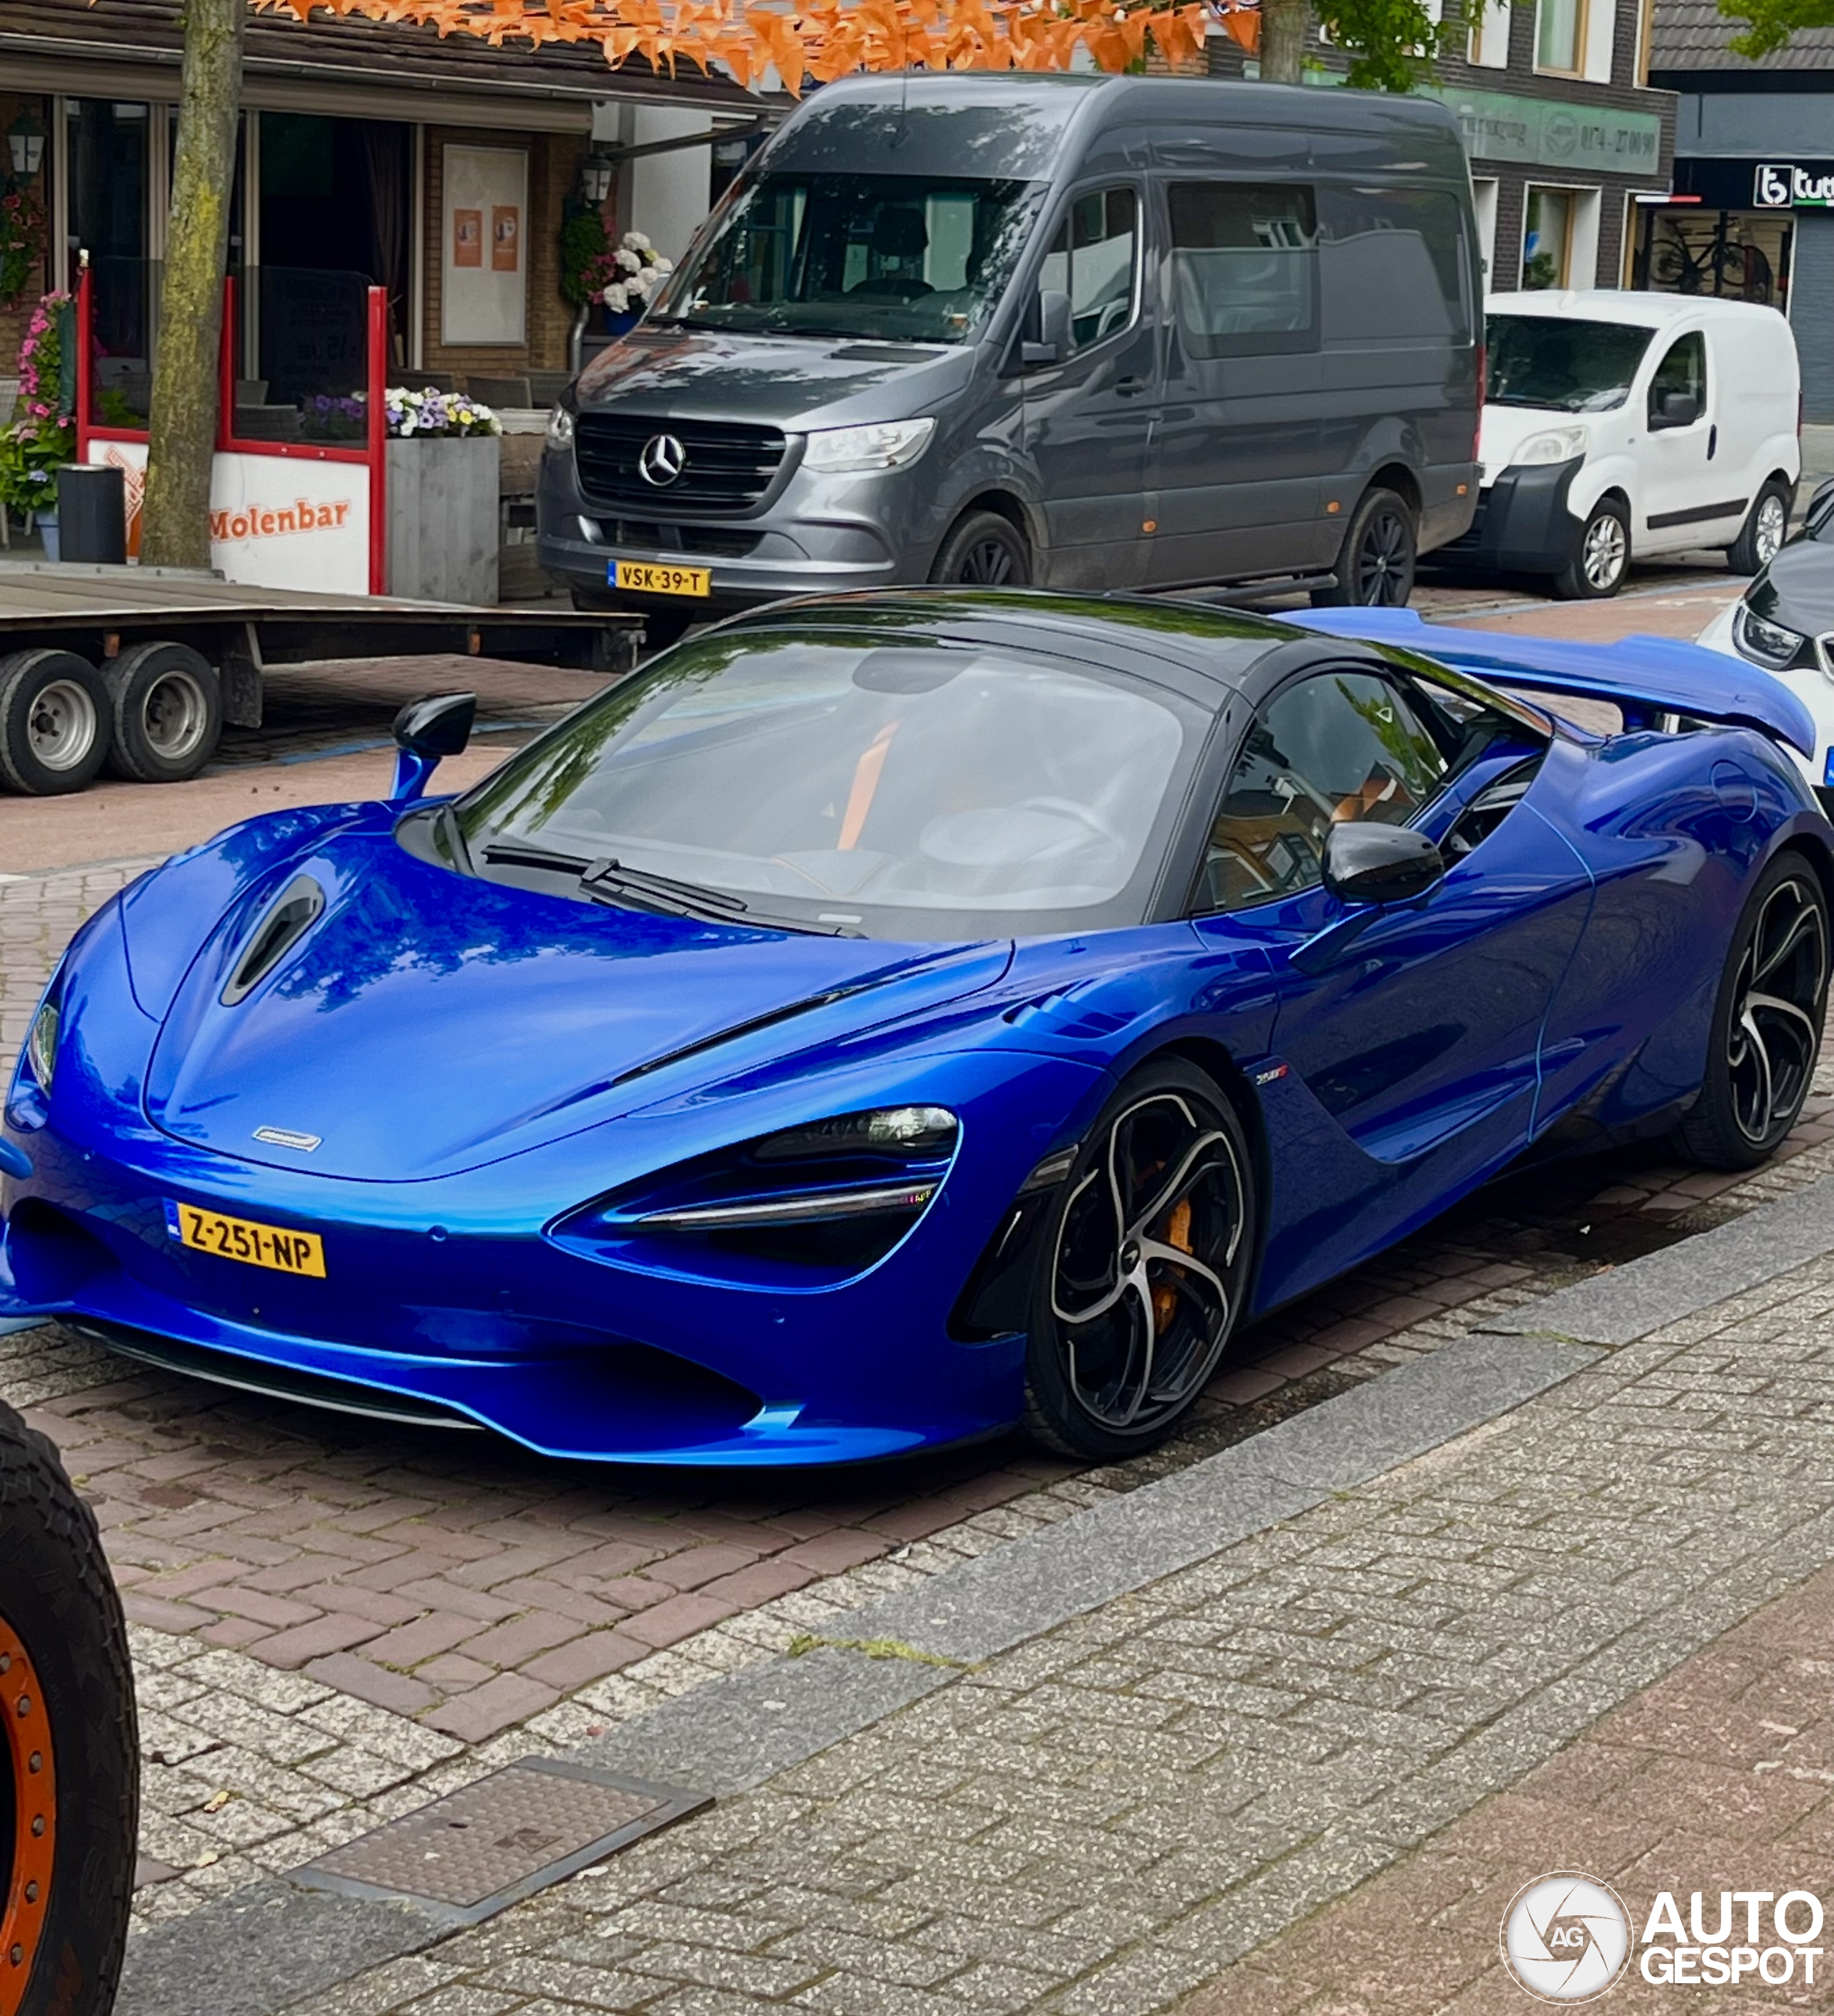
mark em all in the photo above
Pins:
pixel 1790 185
pixel 1549 133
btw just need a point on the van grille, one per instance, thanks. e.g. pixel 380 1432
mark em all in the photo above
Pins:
pixel 728 466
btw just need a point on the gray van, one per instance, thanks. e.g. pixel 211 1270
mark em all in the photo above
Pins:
pixel 1077 332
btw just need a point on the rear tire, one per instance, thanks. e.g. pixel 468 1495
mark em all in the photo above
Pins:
pixel 1375 563
pixel 165 713
pixel 54 713
pixel 1767 526
pixel 1600 560
pixel 1126 1330
pixel 69 1756
pixel 984 550
pixel 1767 1022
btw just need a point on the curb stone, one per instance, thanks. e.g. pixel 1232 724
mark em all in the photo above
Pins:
pixel 274 1945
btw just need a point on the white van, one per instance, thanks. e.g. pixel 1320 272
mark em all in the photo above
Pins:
pixel 1618 424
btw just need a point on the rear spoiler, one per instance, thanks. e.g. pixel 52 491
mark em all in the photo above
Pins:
pixel 1645 675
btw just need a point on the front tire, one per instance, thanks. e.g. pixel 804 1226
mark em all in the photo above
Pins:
pixel 1375 565
pixel 69 1770
pixel 1766 527
pixel 984 550
pixel 1766 1022
pixel 1601 557
pixel 1143 1270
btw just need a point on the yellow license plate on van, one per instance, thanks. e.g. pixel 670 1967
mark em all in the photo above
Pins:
pixel 650 577
pixel 245 1239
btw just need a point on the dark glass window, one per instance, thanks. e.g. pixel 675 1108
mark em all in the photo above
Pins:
pixel 1095 258
pixel 1566 365
pixel 1245 267
pixel 1392 266
pixel 1682 371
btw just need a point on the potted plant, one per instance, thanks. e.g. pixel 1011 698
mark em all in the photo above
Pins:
pixel 628 279
pixel 43 435
pixel 443 510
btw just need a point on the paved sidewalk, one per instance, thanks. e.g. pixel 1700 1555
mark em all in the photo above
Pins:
pixel 1102 1815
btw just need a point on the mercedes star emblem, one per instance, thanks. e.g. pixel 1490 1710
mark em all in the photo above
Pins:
pixel 662 460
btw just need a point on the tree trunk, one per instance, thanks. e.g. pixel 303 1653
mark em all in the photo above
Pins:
pixel 182 425
pixel 1284 23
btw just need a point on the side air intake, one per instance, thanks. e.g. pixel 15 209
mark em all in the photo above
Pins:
pixel 301 902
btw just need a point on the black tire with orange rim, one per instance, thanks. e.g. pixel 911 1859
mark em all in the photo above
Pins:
pixel 69 1779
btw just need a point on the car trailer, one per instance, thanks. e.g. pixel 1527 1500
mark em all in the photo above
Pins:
pixel 140 667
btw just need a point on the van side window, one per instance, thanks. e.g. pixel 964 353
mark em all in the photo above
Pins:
pixel 1338 745
pixel 1094 259
pixel 1392 266
pixel 1243 264
pixel 1681 375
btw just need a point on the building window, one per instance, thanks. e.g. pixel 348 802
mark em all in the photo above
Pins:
pixel 1489 35
pixel 1484 196
pixel 1560 238
pixel 1560 36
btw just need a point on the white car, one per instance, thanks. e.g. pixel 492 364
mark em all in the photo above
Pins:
pixel 1617 423
pixel 1784 622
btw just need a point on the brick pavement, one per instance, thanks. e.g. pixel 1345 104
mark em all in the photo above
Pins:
pixel 1146 1801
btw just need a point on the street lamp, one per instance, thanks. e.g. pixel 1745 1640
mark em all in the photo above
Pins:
pixel 26 139
pixel 595 178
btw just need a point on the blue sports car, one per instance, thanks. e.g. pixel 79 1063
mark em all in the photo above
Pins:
pixel 883 1020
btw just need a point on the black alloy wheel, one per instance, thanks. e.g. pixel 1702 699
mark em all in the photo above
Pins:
pixel 985 550
pixel 1375 565
pixel 1767 1030
pixel 1142 1279
pixel 69 1745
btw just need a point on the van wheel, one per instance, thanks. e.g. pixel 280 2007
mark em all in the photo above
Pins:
pixel 166 711
pixel 1764 530
pixel 1601 555
pixel 53 722
pixel 985 551
pixel 69 1747
pixel 1375 563
pixel 1144 1269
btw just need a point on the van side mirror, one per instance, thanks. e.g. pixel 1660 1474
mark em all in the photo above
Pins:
pixel 426 730
pixel 1674 409
pixel 1366 862
pixel 1047 333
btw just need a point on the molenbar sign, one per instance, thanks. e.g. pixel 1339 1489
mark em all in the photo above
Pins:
pixel 1551 133
pixel 1792 185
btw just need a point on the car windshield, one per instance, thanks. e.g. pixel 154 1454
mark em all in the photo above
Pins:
pixel 836 783
pixel 1566 366
pixel 910 259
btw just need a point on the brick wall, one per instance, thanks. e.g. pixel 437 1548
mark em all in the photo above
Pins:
pixel 13 320
pixel 554 166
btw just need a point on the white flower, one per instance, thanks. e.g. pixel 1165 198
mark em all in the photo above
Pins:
pixel 663 266
pixel 637 241
pixel 628 260
pixel 616 298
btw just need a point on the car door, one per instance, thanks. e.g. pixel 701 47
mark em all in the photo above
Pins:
pixel 1691 495
pixel 1406 1041
pixel 1236 459
pixel 1089 416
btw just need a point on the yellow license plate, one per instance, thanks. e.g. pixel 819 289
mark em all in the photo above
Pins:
pixel 648 577
pixel 243 1239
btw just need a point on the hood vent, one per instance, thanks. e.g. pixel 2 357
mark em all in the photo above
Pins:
pixel 301 902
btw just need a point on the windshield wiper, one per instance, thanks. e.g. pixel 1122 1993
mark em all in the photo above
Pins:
pixel 605 880
pixel 525 854
pixel 613 877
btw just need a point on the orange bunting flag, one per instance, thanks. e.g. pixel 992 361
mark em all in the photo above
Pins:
pixel 818 40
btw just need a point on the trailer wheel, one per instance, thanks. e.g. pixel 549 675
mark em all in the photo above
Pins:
pixel 53 722
pixel 69 1749
pixel 165 710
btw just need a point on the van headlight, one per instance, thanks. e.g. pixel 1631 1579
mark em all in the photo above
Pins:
pixel 884 444
pixel 1555 445
pixel 560 428
pixel 1764 642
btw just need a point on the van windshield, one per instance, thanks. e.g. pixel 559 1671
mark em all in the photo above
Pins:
pixel 1568 366
pixel 910 258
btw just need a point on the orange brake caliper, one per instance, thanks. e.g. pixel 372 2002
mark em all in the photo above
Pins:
pixel 1178 1234
pixel 25 1755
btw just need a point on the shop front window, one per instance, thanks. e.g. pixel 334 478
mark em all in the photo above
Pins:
pixel 1547 241
pixel 109 166
pixel 1732 256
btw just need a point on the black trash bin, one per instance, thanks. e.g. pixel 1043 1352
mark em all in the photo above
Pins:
pixel 92 514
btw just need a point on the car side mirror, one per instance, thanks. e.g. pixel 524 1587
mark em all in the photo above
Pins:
pixel 426 730
pixel 1675 409
pixel 1367 863
pixel 1051 343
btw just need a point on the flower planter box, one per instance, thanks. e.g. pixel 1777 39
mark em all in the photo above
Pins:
pixel 442 518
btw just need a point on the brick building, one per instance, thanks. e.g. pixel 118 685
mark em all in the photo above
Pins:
pixel 369 154
pixel 1565 137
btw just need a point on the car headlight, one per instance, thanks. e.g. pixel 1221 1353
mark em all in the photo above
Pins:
pixel 560 428
pixel 884 444
pixel 1765 643
pixel 1556 444
pixel 42 1045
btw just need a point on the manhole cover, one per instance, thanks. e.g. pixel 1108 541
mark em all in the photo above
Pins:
pixel 478 1850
